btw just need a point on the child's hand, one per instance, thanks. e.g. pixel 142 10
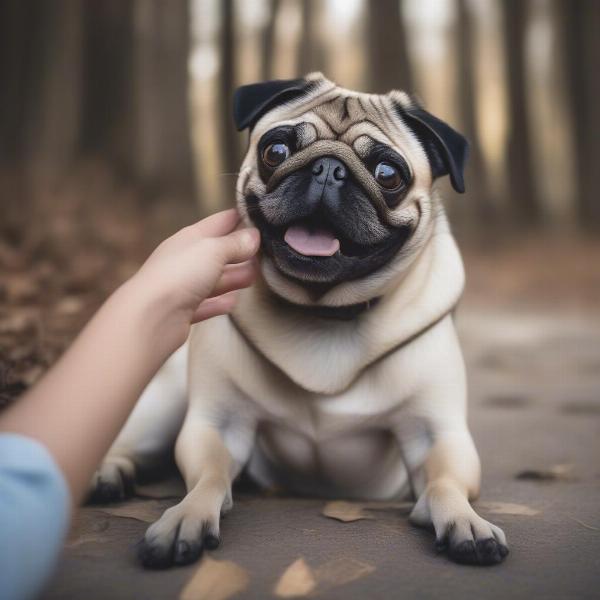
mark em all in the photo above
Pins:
pixel 193 274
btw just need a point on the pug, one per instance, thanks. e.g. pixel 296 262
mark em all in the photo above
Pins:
pixel 339 373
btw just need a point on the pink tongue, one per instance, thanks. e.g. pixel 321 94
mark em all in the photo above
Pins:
pixel 312 243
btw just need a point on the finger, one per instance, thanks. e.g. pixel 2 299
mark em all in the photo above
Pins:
pixel 212 307
pixel 219 224
pixel 238 246
pixel 235 277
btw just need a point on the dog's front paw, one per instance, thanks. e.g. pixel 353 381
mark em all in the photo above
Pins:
pixel 114 481
pixel 459 530
pixel 471 540
pixel 181 535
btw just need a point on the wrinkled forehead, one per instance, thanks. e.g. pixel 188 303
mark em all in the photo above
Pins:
pixel 349 117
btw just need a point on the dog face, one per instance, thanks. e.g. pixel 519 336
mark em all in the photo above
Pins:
pixel 339 183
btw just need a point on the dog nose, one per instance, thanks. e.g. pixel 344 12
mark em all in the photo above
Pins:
pixel 330 171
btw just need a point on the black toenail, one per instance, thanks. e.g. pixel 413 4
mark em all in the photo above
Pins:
pixel 211 541
pixel 183 549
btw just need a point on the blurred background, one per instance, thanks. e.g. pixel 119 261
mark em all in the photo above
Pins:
pixel 115 129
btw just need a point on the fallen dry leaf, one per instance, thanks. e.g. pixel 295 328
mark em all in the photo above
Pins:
pixel 17 322
pixel 345 511
pixel 299 580
pixel 507 508
pixel 147 511
pixel 583 524
pixel 86 530
pixel 71 305
pixel 216 580
pixel 355 511
pixel 341 570
pixel 554 473
pixel 296 581
pixel 86 538
pixel 21 288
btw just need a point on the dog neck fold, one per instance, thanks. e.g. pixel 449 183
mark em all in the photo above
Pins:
pixel 327 355
pixel 341 313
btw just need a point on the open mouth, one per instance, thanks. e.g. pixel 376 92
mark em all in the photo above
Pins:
pixel 311 237
pixel 310 241
pixel 315 237
pixel 313 250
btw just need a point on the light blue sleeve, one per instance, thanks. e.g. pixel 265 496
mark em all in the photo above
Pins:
pixel 34 516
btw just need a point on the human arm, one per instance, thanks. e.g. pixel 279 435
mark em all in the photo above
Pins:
pixel 78 407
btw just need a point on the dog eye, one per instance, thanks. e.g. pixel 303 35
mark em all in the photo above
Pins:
pixel 274 154
pixel 387 176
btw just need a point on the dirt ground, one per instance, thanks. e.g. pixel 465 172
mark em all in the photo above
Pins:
pixel 530 326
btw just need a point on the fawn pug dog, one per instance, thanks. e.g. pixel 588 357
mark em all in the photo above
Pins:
pixel 339 373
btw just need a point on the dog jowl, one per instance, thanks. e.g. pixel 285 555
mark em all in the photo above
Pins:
pixel 339 373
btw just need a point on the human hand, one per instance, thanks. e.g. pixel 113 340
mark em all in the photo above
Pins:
pixel 79 406
pixel 193 275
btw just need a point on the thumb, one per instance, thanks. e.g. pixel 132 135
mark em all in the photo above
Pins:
pixel 238 246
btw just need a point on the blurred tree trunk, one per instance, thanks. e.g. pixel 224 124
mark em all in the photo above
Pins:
pixel 40 75
pixel 578 25
pixel 108 128
pixel 477 181
pixel 311 51
pixel 163 156
pixel 53 132
pixel 268 40
pixel 19 49
pixel 136 92
pixel 40 99
pixel 389 63
pixel 103 79
pixel 521 176
pixel 229 137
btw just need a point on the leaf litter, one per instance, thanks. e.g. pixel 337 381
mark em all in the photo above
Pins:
pixel 563 472
pixel 347 512
pixel 146 511
pixel 507 508
pixel 87 528
pixel 296 581
pixel 56 269
pixel 342 570
pixel 584 524
pixel 300 580
pixel 216 580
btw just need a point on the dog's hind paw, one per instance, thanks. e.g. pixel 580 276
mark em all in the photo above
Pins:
pixel 113 481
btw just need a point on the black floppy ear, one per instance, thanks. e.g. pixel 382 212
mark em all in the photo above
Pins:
pixel 251 102
pixel 446 149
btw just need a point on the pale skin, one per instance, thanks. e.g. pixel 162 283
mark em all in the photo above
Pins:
pixel 79 406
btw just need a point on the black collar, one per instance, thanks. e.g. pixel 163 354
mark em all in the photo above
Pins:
pixel 341 313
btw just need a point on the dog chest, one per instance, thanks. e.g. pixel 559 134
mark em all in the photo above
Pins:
pixel 365 462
